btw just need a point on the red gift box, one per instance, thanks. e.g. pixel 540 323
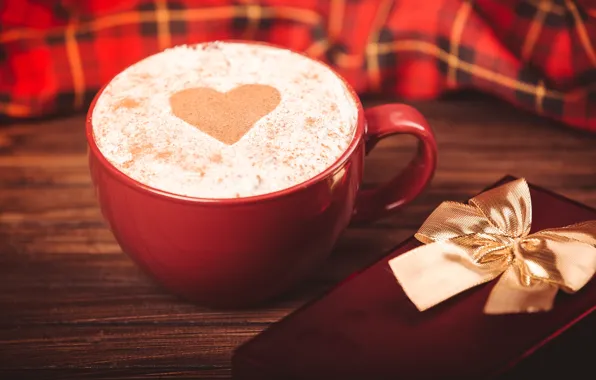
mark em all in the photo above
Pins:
pixel 367 328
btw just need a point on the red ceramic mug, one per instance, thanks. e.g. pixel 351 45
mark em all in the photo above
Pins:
pixel 239 252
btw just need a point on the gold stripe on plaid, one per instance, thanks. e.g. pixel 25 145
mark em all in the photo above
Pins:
pixel 74 60
pixel 336 18
pixel 475 70
pixel 162 19
pixel 544 7
pixel 298 15
pixel 582 32
pixel 301 15
pixel 372 48
pixel 349 61
pixel 86 27
pixel 207 14
pixel 540 91
pixel 456 31
pixel 317 49
pixel 15 110
pixel 254 15
pixel 554 8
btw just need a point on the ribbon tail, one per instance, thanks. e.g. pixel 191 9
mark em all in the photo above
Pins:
pixel 574 252
pixel 510 296
pixel 435 272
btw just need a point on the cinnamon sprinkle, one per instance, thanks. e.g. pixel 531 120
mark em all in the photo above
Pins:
pixel 216 158
pixel 140 148
pixel 126 103
pixel 163 155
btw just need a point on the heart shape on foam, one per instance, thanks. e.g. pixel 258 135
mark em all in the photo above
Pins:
pixel 226 116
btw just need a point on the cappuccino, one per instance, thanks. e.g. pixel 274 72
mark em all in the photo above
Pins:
pixel 224 120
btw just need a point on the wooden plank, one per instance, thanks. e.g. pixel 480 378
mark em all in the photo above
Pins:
pixel 72 305
pixel 145 372
pixel 121 346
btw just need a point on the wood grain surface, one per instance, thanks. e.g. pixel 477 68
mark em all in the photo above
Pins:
pixel 72 305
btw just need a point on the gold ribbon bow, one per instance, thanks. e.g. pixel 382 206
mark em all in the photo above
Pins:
pixel 468 245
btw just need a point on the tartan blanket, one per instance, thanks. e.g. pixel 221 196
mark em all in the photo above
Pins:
pixel 539 55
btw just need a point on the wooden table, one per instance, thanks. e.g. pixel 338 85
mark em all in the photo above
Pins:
pixel 71 302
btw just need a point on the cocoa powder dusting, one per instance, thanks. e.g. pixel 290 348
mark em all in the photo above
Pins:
pixel 137 149
pixel 126 103
pixel 163 155
pixel 228 116
pixel 216 158
pixel 271 133
pixel 141 76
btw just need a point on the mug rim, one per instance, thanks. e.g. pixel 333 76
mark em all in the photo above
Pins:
pixel 162 194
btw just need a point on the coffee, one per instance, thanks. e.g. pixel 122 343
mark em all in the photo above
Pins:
pixel 224 120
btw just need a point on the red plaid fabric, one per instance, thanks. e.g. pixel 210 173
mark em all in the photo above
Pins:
pixel 537 54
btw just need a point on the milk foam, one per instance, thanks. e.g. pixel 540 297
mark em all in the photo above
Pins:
pixel 312 126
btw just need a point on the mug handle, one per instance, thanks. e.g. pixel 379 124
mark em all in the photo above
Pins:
pixel 384 121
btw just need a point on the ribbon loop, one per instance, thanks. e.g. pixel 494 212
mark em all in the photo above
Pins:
pixel 467 245
pixel 508 208
pixel 451 220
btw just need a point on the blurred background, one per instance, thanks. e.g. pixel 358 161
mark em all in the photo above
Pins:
pixel 536 54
